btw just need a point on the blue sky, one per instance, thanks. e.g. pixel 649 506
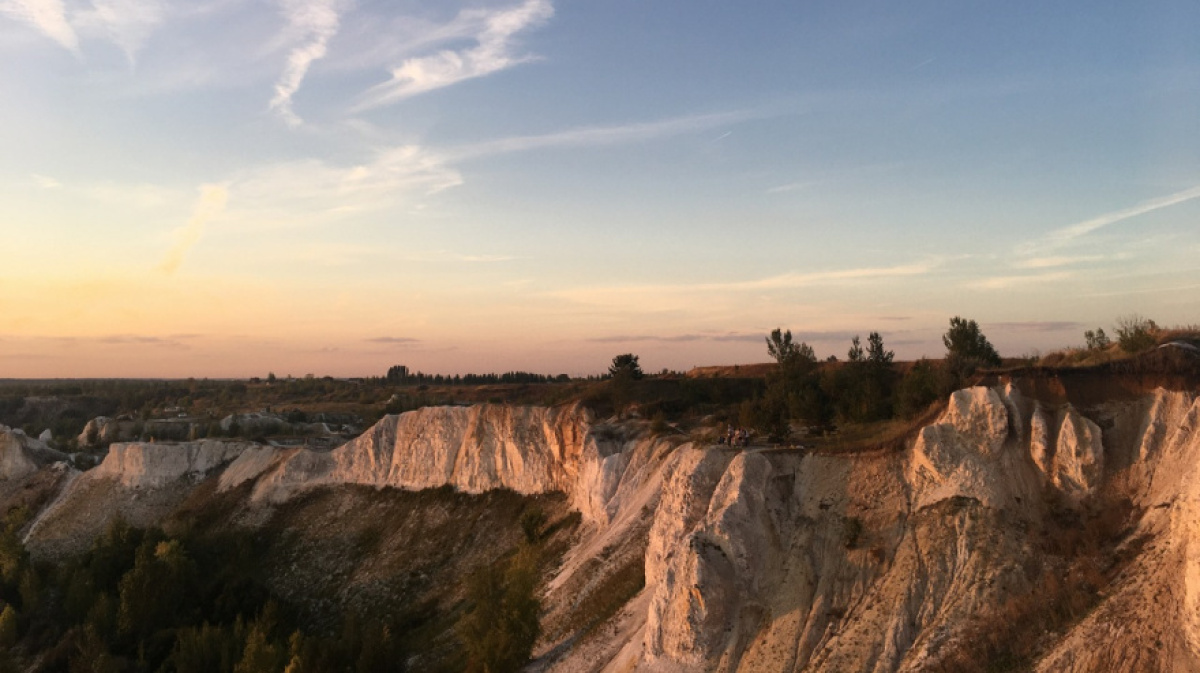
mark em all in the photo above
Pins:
pixel 228 187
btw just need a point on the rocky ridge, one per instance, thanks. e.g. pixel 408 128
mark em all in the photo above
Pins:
pixel 22 455
pixel 768 559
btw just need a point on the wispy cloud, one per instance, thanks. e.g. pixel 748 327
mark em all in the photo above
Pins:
pixel 592 136
pixel 1037 326
pixel 175 341
pixel 1007 282
pixel 440 256
pixel 495 49
pixel 679 338
pixel 399 341
pixel 1058 261
pixel 312 24
pixel 211 203
pixel 797 280
pixel 306 191
pixel 347 254
pixel 127 23
pixel 791 187
pixel 1066 235
pixel 45 182
pixel 48 16
pixel 289 193
pixel 784 281
pixel 1146 290
pixel 138 195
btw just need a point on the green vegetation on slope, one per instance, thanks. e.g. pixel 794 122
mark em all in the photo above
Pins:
pixel 349 579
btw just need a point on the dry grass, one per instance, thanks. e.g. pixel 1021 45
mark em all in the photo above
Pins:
pixel 1091 357
pixel 1077 562
pixel 878 436
pixel 606 598
pixel 751 371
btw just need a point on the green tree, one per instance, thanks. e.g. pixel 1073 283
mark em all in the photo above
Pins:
pixel 92 655
pixel 261 654
pixel 965 340
pixel 501 627
pixel 781 347
pixel 205 649
pixel 793 390
pixel 624 371
pixel 1135 333
pixel 14 559
pixel 625 367
pixel 861 389
pixel 155 588
pixel 103 617
pixel 8 627
pixel 855 354
pixel 378 653
pixel 767 414
pixel 967 349
pixel 920 387
pixel 876 354
pixel 1096 340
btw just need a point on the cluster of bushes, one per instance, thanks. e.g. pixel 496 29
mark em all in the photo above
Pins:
pixel 1133 334
pixel 866 387
pixel 400 375
pixel 140 600
pixel 501 624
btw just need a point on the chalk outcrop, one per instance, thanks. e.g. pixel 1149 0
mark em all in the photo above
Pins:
pixel 22 455
pixel 100 430
pixel 773 559
pixel 155 465
pixel 474 449
pixel 785 562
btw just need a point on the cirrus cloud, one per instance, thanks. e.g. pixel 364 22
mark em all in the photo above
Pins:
pixel 494 50
pixel 48 16
pixel 312 24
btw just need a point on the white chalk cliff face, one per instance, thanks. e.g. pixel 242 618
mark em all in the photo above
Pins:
pixel 22 455
pixel 474 449
pixel 781 560
pixel 152 465
pixel 775 561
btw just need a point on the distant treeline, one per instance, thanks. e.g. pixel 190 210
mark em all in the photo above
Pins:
pixel 400 375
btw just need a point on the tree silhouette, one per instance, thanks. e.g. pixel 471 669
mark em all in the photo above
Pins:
pixel 625 367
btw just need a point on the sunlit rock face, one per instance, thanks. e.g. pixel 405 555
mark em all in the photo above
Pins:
pixel 22 455
pixel 772 560
pixel 781 561
pixel 473 449
pixel 99 430
pixel 878 562
pixel 154 465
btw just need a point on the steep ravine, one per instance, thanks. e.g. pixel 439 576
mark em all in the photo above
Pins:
pixel 770 560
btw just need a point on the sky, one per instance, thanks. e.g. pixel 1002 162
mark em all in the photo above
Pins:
pixel 227 188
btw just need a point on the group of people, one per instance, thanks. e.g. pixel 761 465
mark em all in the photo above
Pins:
pixel 735 437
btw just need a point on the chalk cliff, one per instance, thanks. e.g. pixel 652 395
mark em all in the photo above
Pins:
pixel 773 559
pixel 474 449
pixel 22 455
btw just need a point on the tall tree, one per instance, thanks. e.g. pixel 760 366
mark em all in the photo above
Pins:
pixel 855 354
pixel 967 349
pixel 861 389
pixel 965 340
pixel 876 353
pixel 625 366
pixel 781 347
